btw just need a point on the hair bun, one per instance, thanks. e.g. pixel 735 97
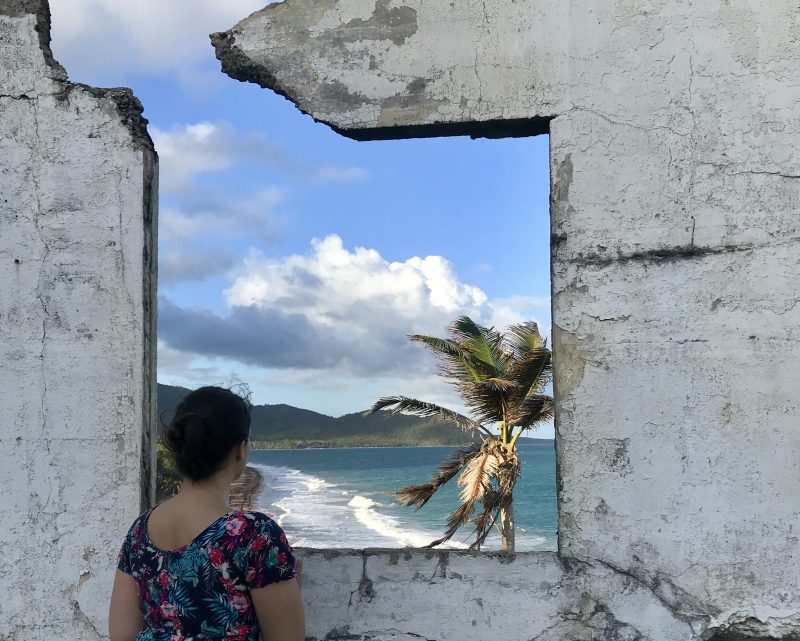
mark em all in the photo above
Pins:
pixel 193 432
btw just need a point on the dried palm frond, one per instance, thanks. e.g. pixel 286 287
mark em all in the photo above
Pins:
pixel 497 499
pixel 476 477
pixel 419 495
pixel 493 462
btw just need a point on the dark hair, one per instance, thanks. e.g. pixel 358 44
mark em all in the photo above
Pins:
pixel 207 425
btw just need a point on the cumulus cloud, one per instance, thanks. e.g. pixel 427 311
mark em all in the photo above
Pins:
pixel 190 150
pixel 334 309
pixel 110 38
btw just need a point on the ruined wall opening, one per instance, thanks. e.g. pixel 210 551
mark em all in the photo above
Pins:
pixel 411 235
pixel 297 261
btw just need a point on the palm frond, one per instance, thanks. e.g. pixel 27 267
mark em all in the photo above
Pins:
pixel 419 495
pixel 484 402
pixel 532 411
pixel 523 338
pixel 405 405
pixel 530 375
pixel 457 363
pixel 498 462
pixel 483 344
pixel 500 497
pixel 476 478
pixel 486 519
pixel 454 523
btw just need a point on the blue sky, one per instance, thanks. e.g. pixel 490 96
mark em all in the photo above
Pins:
pixel 292 258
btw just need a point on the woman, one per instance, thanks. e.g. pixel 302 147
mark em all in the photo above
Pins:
pixel 193 568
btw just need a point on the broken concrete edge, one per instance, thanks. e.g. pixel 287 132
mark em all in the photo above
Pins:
pixel 129 107
pixel 518 128
pixel 240 67
pixel 148 485
pixel 41 10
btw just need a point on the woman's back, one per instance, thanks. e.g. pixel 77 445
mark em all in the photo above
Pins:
pixel 203 586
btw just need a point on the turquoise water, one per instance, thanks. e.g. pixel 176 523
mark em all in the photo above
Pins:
pixel 337 498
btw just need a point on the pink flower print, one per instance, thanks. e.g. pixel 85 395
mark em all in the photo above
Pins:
pixel 235 526
pixel 251 575
pixel 169 611
pixel 163 579
pixel 259 542
pixel 216 556
pixel 239 602
pixel 177 637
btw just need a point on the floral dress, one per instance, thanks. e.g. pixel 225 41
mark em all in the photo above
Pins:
pixel 200 591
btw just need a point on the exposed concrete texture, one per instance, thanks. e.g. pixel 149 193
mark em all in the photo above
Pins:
pixel 77 320
pixel 383 595
pixel 676 255
pixel 385 69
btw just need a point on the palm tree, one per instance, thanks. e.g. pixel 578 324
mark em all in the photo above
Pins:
pixel 500 379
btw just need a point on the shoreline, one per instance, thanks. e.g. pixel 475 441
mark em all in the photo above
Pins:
pixel 255 448
pixel 246 489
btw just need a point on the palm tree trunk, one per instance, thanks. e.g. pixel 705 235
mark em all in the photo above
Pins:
pixel 507 528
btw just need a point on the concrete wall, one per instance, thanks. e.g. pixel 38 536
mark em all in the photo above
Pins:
pixel 77 323
pixel 676 255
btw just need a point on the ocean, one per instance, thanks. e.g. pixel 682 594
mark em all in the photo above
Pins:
pixel 338 498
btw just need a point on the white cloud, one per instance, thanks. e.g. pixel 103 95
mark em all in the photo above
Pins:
pixel 346 312
pixel 190 150
pixel 113 38
pixel 340 285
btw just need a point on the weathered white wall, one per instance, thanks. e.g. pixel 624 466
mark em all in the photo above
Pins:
pixel 383 595
pixel 77 238
pixel 676 256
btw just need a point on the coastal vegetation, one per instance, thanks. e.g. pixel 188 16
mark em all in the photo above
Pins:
pixel 501 379
pixel 286 427
pixel 167 478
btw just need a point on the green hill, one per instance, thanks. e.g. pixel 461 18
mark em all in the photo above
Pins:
pixel 284 426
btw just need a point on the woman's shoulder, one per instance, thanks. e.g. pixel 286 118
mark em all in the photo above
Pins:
pixel 259 519
pixel 140 521
pixel 257 523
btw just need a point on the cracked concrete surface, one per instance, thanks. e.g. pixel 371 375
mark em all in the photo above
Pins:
pixel 675 247
pixel 77 263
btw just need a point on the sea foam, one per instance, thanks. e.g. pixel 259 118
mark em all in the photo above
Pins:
pixel 320 514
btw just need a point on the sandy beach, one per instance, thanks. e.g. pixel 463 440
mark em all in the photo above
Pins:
pixel 246 489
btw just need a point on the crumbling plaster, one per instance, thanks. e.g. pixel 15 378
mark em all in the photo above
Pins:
pixel 675 241
pixel 77 320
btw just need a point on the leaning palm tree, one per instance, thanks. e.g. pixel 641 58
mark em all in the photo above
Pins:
pixel 500 379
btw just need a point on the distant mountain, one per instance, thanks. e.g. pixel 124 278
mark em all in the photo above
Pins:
pixel 285 426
